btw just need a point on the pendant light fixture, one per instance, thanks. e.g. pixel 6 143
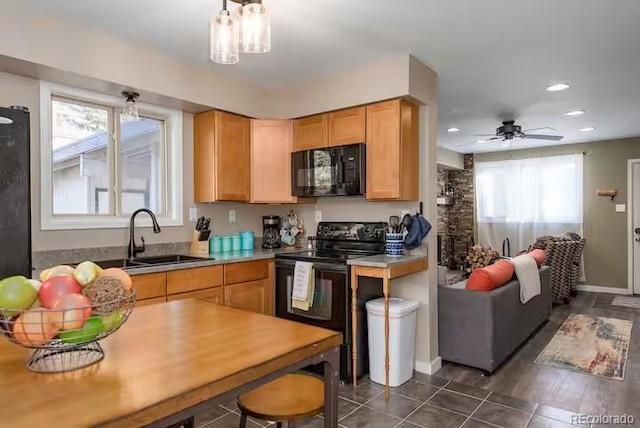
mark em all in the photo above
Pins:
pixel 224 37
pixel 256 28
pixel 248 31
pixel 129 111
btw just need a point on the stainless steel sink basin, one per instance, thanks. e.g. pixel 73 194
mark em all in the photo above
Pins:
pixel 140 262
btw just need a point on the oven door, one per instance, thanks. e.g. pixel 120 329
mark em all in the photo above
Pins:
pixel 329 306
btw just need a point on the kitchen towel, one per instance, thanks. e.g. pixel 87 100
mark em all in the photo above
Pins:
pixel 528 276
pixel 303 286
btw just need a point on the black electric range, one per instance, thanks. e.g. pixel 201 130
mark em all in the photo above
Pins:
pixel 336 243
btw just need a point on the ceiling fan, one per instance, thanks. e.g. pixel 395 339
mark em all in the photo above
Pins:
pixel 509 130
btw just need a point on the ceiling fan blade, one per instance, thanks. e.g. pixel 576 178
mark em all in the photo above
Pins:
pixel 543 137
pixel 546 128
pixel 485 135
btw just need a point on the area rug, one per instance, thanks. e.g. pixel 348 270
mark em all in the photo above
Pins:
pixel 593 345
pixel 630 302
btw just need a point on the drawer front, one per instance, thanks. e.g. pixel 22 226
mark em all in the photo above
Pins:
pixel 214 295
pixel 153 301
pixel 150 285
pixel 182 281
pixel 247 271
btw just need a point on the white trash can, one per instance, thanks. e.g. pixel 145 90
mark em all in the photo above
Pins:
pixel 402 339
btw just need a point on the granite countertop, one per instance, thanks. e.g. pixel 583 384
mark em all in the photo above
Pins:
pixel 384 261
pixel 212 260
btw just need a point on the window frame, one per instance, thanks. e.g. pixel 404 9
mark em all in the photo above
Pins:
pixel 172 160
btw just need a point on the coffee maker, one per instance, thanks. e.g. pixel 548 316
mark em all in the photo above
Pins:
pixel 271 225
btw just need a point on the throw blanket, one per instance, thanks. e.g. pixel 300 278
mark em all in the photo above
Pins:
pixel 528 276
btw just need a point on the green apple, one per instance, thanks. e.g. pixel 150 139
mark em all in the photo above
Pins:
pixel 89 331
pixel 16 294
pixel 112 320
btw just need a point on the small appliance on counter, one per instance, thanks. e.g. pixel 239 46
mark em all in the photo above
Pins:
pixel 271 225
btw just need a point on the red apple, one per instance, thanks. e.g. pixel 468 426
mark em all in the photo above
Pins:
pixel 34 328
pixel 57 287
pixel 70 312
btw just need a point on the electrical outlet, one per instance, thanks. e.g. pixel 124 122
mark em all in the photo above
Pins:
pixel 621 208
pixel 193 214
pixel 232 216
pixel 318 216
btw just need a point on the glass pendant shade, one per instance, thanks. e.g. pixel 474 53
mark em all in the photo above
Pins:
pixel 129 111
pixel 224 39
pixel 256 29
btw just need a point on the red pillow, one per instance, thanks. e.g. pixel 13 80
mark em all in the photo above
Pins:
pixel 539 255
pixel 491 277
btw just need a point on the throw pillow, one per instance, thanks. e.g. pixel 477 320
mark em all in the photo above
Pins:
pixel 539 256
pixel 491 277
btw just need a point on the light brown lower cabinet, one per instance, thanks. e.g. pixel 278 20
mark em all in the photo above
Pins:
pixel 243 285
pixel 214 295
pixel 255 296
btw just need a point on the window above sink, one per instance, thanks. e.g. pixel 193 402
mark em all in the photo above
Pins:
pixel 97 168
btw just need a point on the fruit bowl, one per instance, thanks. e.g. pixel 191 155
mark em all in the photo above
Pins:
pixel 65 316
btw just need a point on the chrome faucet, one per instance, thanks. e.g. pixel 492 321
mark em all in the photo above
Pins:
pixel 133 249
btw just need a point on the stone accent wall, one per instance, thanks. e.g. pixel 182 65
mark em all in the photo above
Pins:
pixel 457 220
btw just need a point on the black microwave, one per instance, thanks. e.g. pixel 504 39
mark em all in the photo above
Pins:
pixel 331 171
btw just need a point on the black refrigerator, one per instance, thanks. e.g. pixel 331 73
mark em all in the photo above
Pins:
pixel 15 193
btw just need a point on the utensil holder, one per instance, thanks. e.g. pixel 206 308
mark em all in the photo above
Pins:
pixel 394 244
pixel 200 248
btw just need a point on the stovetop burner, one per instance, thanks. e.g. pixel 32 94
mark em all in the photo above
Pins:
pixel 337 242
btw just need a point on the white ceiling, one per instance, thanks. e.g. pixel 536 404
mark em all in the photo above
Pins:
pixel 494 58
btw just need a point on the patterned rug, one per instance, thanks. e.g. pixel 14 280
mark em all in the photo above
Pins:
pixel 594 345
pixel 630 302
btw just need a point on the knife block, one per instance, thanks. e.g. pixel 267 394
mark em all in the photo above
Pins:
pixel 200 248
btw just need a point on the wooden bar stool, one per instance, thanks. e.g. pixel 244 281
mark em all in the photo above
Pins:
pixel 287 399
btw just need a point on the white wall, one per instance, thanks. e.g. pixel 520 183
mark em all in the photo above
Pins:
pixel 450 159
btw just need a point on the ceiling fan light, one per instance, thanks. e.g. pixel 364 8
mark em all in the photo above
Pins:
pixel 224 39
pixel 255 36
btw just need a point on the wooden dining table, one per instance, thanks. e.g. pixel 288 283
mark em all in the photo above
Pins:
pixel 169 362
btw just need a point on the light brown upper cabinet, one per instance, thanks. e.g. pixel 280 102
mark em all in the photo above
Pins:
pixel 222 157
pixel 311 132
pixel 347 126
pixel 392 151
pixel 271 147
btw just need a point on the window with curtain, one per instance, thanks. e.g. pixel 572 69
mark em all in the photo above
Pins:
pixel 522 199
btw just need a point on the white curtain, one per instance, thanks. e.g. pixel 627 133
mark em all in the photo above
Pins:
pixel 522 199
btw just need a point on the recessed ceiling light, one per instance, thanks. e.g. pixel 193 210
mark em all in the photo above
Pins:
pixel 558 87
pixel 482 141
pixel 574 113
pixel 453 130
pixel 588 129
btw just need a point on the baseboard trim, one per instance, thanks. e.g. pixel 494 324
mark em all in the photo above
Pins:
pixel 600 289
pixel 429 368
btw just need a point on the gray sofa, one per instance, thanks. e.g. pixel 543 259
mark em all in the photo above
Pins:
pixel 482 328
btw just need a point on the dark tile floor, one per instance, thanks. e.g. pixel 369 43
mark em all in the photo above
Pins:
pixel 519 394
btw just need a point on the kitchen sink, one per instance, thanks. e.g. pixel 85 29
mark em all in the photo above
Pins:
pixel 140 262
pixel 173 258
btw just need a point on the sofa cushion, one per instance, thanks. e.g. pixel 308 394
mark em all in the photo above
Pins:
pixel 539 255
pixel 491 277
